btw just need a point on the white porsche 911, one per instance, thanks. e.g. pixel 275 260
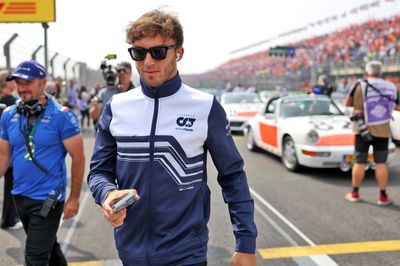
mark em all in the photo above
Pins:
pixel 307 130
pixel 240 107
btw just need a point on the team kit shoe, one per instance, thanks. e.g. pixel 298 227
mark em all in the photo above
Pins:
pixel 384 200
pixel 352 196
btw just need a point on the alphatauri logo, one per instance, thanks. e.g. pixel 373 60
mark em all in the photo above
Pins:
pixel 185 122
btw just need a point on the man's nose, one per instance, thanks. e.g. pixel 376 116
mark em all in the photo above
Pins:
pixel 148 60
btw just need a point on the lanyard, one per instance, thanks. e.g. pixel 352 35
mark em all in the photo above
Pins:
pixel 30 146
pixel 35 124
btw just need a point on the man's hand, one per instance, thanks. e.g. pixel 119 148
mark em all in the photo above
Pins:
pixel 94 101
pixel 115 218
pixel 71 208
pixel 96 109
pixel 243 259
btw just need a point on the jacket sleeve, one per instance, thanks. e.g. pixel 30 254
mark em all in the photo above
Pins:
pixel 101 178
pixel 232 179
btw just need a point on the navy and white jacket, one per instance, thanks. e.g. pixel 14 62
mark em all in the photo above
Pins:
pixel 155 140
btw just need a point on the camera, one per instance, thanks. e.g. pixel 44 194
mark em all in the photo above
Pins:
pixel 364 132
pixel 109 74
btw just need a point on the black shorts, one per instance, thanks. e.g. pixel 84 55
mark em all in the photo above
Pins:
pixel 380 146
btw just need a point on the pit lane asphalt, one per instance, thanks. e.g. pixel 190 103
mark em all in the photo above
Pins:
pixel 302 209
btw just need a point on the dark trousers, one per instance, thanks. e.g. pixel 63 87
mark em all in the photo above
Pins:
pixel 41 247
pixel 85 113
pixel 10 214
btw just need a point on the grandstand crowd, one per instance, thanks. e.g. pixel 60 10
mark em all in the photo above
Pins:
pixel 369 40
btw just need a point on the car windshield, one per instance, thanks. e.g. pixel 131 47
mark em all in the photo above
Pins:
pixel 230 98
pixel 308 107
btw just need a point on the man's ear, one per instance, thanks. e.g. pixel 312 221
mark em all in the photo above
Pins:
pixel 179 53
pixel 43 83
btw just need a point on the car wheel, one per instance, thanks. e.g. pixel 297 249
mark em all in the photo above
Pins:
pixel 250 143
pixel 289 157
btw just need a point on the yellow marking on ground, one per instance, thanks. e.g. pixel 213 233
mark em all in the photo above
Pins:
pixel 238 137
pixel 330 249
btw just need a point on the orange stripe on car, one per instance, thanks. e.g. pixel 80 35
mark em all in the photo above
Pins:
pixel 309 153
pixel 336 140
pixel 247 114
pixel 269 134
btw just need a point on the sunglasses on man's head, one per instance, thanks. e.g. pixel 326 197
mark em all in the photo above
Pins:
pixel 156 52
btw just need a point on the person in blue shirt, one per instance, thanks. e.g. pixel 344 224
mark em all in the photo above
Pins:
pixel 36 134
pixel 154 141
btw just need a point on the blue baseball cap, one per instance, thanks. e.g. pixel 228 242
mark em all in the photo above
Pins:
pixel 28 70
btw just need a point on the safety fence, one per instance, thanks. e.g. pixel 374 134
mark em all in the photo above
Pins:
pixel 17 49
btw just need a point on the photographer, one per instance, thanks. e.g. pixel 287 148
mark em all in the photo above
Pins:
pixel 122 76
pixel 36 134
pixel 373 100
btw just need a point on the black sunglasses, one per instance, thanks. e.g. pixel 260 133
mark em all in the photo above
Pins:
pixel 156 52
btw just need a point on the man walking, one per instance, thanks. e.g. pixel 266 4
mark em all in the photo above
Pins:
pixel 154 141
pixel 36 134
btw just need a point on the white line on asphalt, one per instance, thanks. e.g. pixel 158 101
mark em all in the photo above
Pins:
pixel 318 259
pixel 71 230
pixel 301 261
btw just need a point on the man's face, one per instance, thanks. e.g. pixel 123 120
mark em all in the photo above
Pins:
pixel 11 85
pixel 30 89
pixel 125 78
pixel 156 72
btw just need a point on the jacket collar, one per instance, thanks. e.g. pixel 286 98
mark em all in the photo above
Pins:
pixel 166 89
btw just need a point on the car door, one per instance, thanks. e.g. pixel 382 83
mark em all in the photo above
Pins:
pixel 269 127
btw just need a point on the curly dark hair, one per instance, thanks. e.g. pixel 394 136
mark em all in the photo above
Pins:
pixel 153 23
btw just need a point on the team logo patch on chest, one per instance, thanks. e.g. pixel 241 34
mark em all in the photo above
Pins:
pixel 185 122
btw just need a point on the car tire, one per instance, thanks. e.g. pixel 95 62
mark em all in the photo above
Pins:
pixel 250 142
pixel 289 157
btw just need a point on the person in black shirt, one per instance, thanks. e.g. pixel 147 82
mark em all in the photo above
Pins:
pixel 9 219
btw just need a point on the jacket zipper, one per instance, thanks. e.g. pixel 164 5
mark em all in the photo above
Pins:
pixel 151 173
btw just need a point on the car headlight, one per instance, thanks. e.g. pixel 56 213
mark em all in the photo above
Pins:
pixel 232 112
pixel 312 136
